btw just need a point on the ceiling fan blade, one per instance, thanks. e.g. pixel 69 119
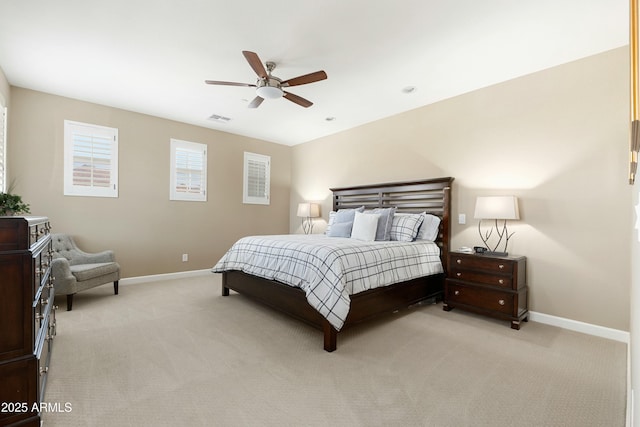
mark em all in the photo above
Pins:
pixel 253 60
pixel 298 100
pixel 215 82
pixel 307 78
pixel 256 102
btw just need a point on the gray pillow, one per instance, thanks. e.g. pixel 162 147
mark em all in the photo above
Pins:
pixel 341 229
pixel 384 223
pixel 347 215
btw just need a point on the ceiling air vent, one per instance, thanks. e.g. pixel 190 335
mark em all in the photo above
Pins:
pixel 219 119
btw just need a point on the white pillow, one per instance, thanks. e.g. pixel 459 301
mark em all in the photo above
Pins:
pixel 365 226
pixel 429 228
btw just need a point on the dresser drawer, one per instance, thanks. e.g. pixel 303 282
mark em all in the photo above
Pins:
pixel 42 264
pixel 479 262
pixel 484 278
pixel 483 298
pixel 44 358
pixel 38 232
pixel 44 314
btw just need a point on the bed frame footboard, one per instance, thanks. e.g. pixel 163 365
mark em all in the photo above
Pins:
pixel 364 306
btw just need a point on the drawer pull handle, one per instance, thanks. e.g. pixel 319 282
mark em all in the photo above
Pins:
pixel 456 293
pixel 458 274
pixel 501 281
pixel 501 301
pixel 44 370
pixel 39 316
pixel 500 266
pixel 459 261
pixel 44 301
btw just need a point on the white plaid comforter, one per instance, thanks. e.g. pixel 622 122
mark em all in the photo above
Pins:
pixel 329 269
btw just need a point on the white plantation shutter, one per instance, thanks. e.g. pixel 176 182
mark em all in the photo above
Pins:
pixel 188 171
pixel 3 147
pixel 257 176
pixel 91 160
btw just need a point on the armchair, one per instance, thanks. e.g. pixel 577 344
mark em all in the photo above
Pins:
pixel 74 270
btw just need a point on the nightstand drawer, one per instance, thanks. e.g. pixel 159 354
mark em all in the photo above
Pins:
pixel 484 278
pixel 480 262
pixel 495 301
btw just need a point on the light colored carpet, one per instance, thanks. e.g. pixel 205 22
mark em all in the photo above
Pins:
pixel 176 353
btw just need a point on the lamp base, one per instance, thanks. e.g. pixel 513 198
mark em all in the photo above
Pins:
pixel 495 253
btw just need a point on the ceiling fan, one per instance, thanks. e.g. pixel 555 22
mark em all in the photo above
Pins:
pixel 269 86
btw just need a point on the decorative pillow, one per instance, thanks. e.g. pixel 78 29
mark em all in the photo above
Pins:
pixel 365 226
pixel 405 227
pixel 342 215
pixel 384 223
pixel 347 215
pixel 332 220
pixel 340 229
pixel 430 228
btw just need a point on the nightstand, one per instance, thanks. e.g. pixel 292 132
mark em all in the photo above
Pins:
pixel 491 285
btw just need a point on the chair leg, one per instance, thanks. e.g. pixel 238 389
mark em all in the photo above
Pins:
pixel 69 301
pixel 115 287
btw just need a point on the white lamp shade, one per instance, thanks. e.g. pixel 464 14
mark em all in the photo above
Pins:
pixel 497 207
pixel 308 210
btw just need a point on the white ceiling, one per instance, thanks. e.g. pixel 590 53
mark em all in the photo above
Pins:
pixel 152 57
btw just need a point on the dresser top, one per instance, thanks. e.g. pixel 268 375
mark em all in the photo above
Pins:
pixel 29 218
pixel 487 256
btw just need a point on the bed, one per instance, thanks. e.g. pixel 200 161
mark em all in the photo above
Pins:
pixel 432 196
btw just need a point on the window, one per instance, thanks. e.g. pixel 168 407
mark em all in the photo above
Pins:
pixel 257 175
pixel 90 160
pixel 188 171
pixel 3 146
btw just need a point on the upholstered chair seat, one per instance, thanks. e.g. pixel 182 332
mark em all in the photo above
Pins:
pixel 75 271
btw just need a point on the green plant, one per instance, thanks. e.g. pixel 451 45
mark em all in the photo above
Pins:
pixel 12 204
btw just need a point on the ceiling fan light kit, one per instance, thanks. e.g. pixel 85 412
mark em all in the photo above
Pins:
pixel 270 87
pixel 269 90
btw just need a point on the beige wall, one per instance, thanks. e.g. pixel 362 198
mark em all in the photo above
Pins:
pixel 148 232
pixel 557 139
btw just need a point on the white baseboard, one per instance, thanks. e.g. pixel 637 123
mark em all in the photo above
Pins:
pixel 585 328
pixel 167 276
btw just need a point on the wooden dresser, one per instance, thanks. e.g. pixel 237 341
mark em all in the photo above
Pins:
pixel 492 285
pixel 27 317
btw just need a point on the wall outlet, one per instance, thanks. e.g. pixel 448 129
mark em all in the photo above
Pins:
pixel 462 219
pixel 185 257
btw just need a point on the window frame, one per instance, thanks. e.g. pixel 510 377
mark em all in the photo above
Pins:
pixel 104 132
pixel 177 145
pixel 248 198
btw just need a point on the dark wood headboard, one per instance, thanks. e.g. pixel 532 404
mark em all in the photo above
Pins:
pixel 431 195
